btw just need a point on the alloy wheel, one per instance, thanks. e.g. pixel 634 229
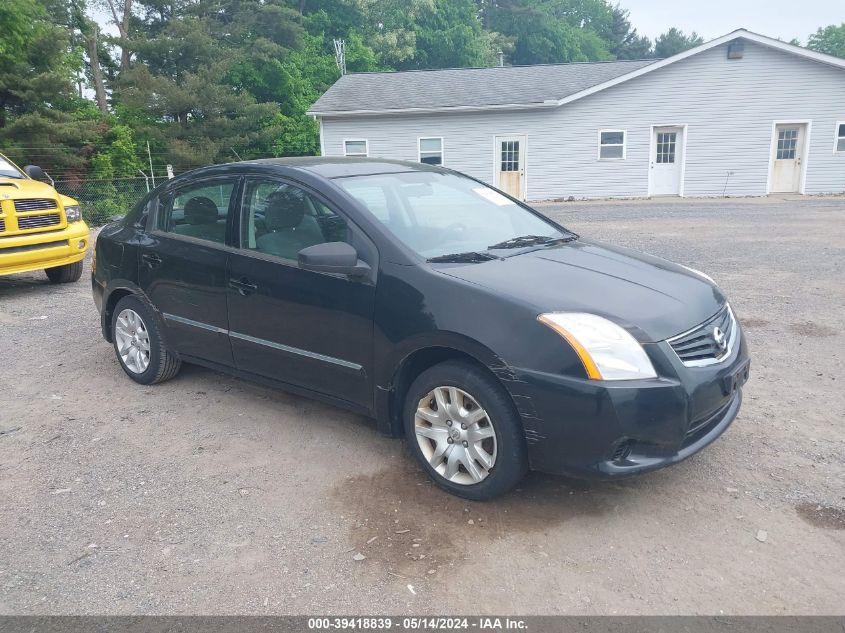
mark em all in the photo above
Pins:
pixel 133 341
pixel 455 435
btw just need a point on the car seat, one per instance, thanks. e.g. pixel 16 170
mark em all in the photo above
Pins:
pixel 202 220
pixel 290 226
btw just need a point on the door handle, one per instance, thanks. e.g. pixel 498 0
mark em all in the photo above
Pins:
pixel 243 285
pixel 151 260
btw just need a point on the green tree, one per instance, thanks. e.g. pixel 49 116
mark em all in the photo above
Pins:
pixel 551 31
pixel 35 65
pixel 830 40
pixel 42 119
pixel 449 34
pixel 189 88
pixel 117 155
pixel 675 41
pixel 622 39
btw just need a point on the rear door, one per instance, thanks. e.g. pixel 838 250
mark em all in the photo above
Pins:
pixel 304 328
pixel 182 267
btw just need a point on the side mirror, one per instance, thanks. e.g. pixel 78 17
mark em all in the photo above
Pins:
pixel 332 257
pixel 36 173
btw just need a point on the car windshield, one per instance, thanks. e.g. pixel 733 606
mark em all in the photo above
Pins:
pixel 439 214
pixel 8 170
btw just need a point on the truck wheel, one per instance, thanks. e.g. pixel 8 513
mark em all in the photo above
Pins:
pixel 65 274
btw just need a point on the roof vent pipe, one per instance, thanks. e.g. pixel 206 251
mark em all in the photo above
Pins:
pixel 501 57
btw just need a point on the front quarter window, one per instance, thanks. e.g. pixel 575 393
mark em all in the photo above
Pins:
pixel 437 214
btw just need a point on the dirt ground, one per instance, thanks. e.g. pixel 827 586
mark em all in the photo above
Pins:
pixel 211 495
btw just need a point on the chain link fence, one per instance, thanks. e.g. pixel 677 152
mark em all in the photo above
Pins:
pixel 101 200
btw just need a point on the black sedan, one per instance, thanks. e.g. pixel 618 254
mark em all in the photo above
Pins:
pixel 492 338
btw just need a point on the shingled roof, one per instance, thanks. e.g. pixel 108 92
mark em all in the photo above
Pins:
pixel 466 88
pixel 510 87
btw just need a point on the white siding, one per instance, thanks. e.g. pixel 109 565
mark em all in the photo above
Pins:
pixel 728 106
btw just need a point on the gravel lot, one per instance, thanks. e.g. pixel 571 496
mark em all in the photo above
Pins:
pixel 211 495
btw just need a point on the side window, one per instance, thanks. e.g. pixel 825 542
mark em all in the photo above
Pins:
pixel 281 219
pixel 199 211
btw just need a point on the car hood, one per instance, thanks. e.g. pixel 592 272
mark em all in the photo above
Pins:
pixel 652 298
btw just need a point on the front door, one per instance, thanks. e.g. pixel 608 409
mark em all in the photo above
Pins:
pixel 787 150
pixel 510 165
pixel 667 161
pixel 182 267
pixel 304 328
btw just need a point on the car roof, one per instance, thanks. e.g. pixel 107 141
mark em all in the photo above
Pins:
pixel 323 166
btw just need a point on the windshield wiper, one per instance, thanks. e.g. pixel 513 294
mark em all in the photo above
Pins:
pixel 471 257
pixel 531 240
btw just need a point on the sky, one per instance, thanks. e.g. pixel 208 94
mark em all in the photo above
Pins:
pixel 785 19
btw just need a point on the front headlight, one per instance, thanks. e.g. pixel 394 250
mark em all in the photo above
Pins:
pixel 73 213
pixel 607 351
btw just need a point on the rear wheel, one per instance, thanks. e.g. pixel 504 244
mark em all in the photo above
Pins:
pixel 64 274
pixel 139 345
pixel 461 425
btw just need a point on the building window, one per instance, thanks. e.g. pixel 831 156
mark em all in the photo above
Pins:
pixel 839 141
pixel 611 144
pixel 787 143
pixel 355 148
pixel 666 142
pixel 510 156
pixel 431 150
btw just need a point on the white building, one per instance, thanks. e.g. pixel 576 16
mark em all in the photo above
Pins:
pixel 741 115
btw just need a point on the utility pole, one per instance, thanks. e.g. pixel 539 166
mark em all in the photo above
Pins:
pixel 150 157
pixel 340 55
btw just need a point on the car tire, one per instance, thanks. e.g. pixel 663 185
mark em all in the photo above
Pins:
pixel 65 274
pixel 139 345
pixel 483 411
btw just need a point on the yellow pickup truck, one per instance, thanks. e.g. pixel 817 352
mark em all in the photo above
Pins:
pixel 39 227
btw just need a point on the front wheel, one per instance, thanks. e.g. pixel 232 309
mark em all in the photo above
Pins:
pixel 64 274
pixel 139 345
pixel 461 425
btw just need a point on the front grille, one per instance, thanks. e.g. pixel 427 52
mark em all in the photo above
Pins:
pixel 700 346
pixel 33 247
pixel 2 225
pixel 35 204
pixel 38 221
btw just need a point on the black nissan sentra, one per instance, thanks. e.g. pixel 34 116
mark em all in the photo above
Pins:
pixel 492 338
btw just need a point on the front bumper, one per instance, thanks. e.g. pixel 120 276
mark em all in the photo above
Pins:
pixel 46 249
pixel 597 429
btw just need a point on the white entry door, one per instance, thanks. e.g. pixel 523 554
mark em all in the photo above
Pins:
pixel 787 150
pixel 667 161
pixel 509 157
